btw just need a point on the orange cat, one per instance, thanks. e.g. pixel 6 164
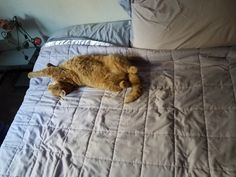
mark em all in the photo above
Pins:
pixel 109 72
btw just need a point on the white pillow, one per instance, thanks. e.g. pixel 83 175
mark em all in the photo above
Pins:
pixel 116 33
pixel 174 24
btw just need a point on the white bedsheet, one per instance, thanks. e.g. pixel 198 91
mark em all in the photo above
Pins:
pixel 182 125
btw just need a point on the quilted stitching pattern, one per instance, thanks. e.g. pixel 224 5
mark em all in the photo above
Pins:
pixel 183 124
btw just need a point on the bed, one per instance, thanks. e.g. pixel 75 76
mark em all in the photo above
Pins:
pixel 184 124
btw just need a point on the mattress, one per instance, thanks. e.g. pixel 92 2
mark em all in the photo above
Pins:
pixel 182 125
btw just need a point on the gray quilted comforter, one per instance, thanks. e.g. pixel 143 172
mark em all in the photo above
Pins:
pixel 184 124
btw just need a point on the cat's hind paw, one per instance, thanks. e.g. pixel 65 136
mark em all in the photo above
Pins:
pixel 132 70
pixel 124 84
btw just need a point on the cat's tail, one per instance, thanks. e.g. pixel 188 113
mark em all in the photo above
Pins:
pixel 136 89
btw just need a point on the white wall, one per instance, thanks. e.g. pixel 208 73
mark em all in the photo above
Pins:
pixel 51 15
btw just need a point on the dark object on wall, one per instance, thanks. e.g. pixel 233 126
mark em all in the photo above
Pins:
pixel 9 26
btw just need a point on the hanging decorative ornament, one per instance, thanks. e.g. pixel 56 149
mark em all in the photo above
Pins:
pixel 6 24
pixel 14 24
pixel 26 45
pixel 37 41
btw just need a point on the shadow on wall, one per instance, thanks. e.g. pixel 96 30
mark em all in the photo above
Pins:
pixel 33 26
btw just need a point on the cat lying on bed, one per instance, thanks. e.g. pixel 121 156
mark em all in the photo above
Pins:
pixel 109 72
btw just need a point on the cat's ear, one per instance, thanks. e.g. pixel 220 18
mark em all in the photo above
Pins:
pixel 63 93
